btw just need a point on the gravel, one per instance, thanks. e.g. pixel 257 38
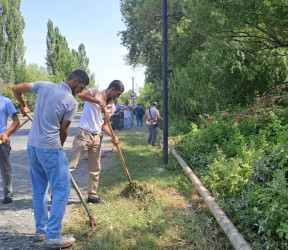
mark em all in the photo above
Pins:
pixel 17 228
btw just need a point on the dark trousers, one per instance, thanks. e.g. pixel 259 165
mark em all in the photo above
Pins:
pixel 139 120
pixel 5 166
pixel 152 134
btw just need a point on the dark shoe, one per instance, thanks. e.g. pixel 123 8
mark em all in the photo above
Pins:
pixel 7 199
pixel 95 201
pixel 39 237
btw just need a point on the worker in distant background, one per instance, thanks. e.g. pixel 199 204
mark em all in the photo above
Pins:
pixel 6 109
pixel 116 113
pixel 127 115
pixel 89 133
pixel 139 115
pixel 152 114
pixel 117 107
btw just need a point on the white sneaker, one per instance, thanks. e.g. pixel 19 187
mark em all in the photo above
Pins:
pixel 61 242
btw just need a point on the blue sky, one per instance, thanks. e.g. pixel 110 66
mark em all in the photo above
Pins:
pixel 95 23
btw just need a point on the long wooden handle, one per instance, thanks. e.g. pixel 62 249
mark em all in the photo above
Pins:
pixel 20 125
pixel 81 197
pixel 29 117
pixel 118 149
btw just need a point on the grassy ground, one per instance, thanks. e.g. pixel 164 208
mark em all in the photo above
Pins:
pixel 163 210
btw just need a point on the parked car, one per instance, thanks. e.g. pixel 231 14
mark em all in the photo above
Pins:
pixel 117 121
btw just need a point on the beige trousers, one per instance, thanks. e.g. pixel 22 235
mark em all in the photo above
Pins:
pixel 85 141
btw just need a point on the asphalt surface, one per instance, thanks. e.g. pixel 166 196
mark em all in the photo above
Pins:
pixel 17 227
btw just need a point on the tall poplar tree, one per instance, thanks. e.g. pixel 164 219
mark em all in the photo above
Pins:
pixel 12 63
pixel 83 60
pixel 60 60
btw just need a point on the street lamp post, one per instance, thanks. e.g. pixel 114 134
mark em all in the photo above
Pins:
pixel 165 88
pixel 133 88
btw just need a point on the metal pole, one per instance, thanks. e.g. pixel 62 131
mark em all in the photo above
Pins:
pixel 133 89
pixel 165 88
pixel 229 229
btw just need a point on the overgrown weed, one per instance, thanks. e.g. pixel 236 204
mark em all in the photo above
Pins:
pixel 243 161
pixel 158 216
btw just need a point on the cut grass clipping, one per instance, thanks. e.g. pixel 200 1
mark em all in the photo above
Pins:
pixel 137 191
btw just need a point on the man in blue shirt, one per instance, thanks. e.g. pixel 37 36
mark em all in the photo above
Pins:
pixel 54 110
pixel 117 107
pixel 139 115
pixel 6 109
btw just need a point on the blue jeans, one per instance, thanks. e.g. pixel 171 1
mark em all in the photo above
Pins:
pixel 127 123
pixel 152 134
pixel 139 121
pixel 49 166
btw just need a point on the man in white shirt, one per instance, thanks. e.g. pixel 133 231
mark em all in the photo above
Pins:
pixel 127 115
pixel 89 134
pixel 152 114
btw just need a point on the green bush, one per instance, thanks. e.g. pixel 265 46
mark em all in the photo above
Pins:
pixel 244 163
pixel 228 178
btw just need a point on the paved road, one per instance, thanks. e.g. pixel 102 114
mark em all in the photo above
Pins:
pixel 16 219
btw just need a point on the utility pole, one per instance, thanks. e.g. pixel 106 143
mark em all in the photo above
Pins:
pixel 165 87
pixel 133 88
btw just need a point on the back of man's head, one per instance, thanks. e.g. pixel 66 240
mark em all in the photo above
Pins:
pixel 155 104
pixel 81 75
pixel 117 84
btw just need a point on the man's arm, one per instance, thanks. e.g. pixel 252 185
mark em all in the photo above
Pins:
pixel 160 117
pixel 18 91
pixel 106 130
pixel 64 131
pixel 87 96
pixel 12 129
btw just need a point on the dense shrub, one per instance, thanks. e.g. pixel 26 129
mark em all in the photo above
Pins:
pixel 244 163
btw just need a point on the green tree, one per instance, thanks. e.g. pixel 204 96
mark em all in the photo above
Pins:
pixel 83 60
pixel 253 24
pixel 36 73
pixel 60 60
pixel 12 63
pixel 221 54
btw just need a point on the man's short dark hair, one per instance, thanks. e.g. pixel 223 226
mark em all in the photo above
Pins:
pixel 81 75
pixel 117 84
